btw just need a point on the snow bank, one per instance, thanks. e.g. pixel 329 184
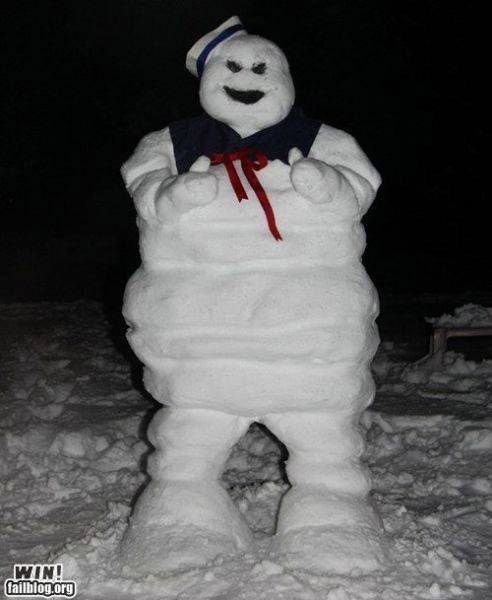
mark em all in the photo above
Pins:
pixel 468 315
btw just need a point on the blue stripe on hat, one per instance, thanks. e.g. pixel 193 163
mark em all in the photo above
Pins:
pixel 223 35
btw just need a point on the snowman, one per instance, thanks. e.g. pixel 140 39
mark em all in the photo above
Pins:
pixel 252 305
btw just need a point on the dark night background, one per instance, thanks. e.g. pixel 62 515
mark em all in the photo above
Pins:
pixel 85 80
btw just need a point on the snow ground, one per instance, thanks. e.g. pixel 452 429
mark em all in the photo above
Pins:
pixel 72 458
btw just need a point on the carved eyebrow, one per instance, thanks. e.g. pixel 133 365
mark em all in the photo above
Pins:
pixel 233 66
pixel 259 68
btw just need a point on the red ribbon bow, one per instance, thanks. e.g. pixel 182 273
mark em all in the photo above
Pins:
pixel 251 160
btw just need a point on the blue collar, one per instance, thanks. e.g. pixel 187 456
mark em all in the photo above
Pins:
pixel 205 135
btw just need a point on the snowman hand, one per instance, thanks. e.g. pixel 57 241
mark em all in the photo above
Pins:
pixel 189 190
pixel 313 179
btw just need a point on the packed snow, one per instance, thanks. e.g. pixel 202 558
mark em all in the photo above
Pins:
pixel 73 454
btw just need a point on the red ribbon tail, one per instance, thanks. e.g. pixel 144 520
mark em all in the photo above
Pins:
pixel 270 215
pixel 263 198
pixel 235 181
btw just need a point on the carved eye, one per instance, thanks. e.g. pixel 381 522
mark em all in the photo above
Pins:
pixel 233 66
pixel 259 68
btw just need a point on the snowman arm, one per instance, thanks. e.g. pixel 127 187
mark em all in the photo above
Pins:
pixel 340 151
pixel 150 165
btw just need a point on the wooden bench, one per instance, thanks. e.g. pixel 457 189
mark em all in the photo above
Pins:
pixel 441 335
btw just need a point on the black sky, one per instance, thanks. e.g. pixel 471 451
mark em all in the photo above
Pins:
pixel 84 81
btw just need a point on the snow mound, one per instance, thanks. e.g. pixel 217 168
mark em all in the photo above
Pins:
pixel 468 315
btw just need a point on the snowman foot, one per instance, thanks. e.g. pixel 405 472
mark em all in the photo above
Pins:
pixel 158 550
pixel 330 549
pixel 179 525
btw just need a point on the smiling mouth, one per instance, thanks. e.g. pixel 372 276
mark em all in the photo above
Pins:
pixel 244 96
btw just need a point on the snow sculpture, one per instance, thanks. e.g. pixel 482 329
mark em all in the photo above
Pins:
pixel 251 304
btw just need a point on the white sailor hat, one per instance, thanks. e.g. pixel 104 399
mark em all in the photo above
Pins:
pixel 201 50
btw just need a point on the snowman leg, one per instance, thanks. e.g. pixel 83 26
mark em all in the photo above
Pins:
pixel 184 517
pixel 326 522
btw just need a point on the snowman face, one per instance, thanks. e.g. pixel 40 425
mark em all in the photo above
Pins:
pixel 247 84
